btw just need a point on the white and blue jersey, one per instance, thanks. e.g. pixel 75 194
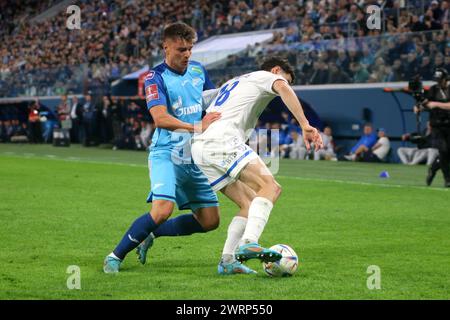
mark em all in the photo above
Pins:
pixel 173 175
pixel 221 151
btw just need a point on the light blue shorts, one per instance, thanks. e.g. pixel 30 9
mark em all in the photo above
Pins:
pixel 183 184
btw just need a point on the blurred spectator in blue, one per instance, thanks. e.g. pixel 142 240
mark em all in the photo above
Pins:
pixel 8 130
pixel 285 141
pixel 378 152
pixel 392 52
pixel 368 140
pixel 276 137
pixel 367 58
pixel 285 122
pixel 127 138
pixel 89 118
pixel 404 45
pixel 397 71
pixel 412 64
pixel 425 69
pixel 47 120
pixel 342 61
pixel 291 35
pixel 297 148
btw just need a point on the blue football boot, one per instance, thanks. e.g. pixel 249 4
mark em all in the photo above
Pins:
pixel 234 268
pixel 111 265
pixel 142 249
pixel 255 251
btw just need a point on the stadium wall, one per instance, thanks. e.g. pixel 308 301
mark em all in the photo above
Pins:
pixel 347 107
pixel 344 107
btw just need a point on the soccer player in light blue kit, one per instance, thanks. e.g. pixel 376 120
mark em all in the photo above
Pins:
pixel 173 92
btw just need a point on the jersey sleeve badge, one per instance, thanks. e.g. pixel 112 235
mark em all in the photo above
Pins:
pixel 151 93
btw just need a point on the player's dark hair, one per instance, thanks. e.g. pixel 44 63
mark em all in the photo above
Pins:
pixel 274 61
pixel 179 30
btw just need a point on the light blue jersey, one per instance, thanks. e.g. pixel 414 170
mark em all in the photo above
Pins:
pixel 182 95
pixel 173 175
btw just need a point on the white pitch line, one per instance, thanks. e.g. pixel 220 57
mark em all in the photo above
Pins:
pixel 366 183
pixel 74 159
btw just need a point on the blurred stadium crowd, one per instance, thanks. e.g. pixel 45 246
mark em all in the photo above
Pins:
pixel 326 40
pixel 90 121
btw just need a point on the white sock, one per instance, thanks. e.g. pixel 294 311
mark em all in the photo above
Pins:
pixel 258 215
pixel 114 256
pixel 235 232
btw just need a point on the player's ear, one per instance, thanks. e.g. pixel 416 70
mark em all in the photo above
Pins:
pixel 165 44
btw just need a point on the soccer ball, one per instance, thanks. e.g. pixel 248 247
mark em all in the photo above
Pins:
pixel 284 267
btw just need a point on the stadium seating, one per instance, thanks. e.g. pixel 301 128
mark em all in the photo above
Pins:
pixel 326 41
pixel 118 37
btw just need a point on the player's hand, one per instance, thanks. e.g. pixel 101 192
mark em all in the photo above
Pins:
pixel 417 109
pixel 208 119
pixel 312 135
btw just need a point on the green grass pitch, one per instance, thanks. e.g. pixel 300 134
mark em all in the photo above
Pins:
pixel 70 206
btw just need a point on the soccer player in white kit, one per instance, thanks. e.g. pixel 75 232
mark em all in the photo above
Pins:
pixel 235 169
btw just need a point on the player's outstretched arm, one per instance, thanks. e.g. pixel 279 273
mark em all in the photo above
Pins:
pixel 310 134
pixel 164 120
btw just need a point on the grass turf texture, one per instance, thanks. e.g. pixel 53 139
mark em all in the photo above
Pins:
pixel 70 206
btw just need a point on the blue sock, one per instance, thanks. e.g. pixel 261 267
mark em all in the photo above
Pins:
pixel 182 225
pixel 137 233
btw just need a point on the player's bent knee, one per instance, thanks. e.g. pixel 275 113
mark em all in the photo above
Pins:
pixel 275 186
pixel 210 223
pixel 248 200
pixel 245 202
pixel 209 218
pixel 245 205
pixel 279 190
pixel 161 210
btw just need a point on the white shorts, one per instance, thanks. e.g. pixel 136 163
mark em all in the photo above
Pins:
pixel 221 161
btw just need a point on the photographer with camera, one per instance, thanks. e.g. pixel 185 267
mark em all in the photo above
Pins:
pixel 437 102
pixel 422 152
